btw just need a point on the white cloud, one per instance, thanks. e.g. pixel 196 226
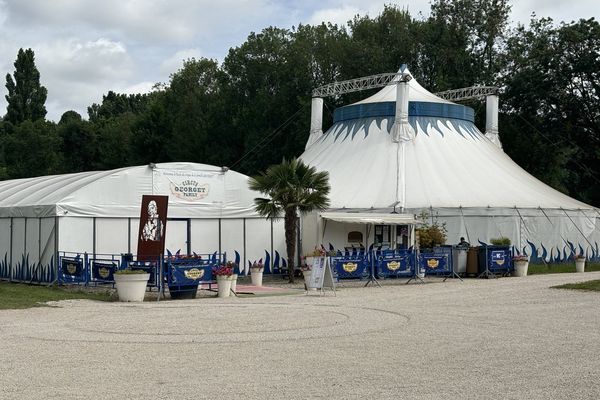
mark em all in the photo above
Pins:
pixel 138 88
pixel 175 62
pixel 78 73
pixel 85 48
pixel 338 16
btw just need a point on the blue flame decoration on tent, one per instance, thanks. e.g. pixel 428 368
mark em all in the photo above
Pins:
pixel 237 263
pixel 267 269
pixel 276 268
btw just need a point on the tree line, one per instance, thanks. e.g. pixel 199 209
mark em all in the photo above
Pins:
pixel 253 109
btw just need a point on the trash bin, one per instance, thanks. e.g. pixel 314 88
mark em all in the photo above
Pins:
pixel 471 267
pixel 459 259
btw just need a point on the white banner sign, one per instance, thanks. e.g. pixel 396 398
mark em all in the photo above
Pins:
pixel 190 186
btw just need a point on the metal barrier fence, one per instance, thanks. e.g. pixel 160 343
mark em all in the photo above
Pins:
pixel 180 274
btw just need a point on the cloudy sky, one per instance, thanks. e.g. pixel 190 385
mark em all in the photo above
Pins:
pixel 85 48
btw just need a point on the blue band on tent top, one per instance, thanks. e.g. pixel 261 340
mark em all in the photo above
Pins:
pixel 415 109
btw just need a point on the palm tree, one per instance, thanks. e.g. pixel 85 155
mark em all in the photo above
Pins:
pixel 292 187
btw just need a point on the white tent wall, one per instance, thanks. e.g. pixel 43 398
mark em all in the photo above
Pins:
pixel 176 236
pixel 48 249
pixel 76 235
pixel 205 235
pixel 134 226
pixel 232 239
pixel 111 235
pixel 5 243
pixel 32 241
pixel 27 249
pixel 17 252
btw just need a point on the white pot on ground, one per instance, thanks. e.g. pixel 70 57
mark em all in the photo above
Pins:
pixel 131 287
pixel 521 267
pixel 256 274
pixel 234 278
pixel 309 260
pixel 580 264
pixel 224 285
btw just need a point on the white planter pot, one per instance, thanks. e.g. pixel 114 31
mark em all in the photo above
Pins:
pixel 256 275
pixel 234 278
pixel 521 268
pixel 224 285
pixel 309 260
pixel 131 287
pixel 580 265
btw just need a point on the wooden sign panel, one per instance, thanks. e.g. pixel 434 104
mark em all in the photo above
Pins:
pixel 153 228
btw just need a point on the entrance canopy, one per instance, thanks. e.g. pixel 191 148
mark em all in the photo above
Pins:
pixel 371 218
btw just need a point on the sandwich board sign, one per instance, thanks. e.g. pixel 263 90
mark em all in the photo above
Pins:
pixel 321 275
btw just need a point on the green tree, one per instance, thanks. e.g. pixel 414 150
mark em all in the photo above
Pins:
pixel 551 102
pixel 32 148
pixel 79 144
pixel 292 187
pixel 26 97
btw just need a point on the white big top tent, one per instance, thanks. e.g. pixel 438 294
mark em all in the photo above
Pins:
pixel 407 150
pixel 98 213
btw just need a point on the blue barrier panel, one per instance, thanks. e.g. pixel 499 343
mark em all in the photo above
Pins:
pixel 347 268
pixel 73 270
pixel 435 264
pixel 150 267
pixel 395 263
pixel 444 251
pixel 498 259
pixel 103 271
pixel 189 273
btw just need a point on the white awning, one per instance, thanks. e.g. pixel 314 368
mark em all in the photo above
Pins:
pixel 371 218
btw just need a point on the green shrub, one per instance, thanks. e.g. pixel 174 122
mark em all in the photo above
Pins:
pixel 501 241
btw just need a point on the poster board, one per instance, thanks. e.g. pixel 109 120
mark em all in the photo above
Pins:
pixel 153 228
pixel 321 275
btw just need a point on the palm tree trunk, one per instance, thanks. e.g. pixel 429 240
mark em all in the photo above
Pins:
pixel 291 219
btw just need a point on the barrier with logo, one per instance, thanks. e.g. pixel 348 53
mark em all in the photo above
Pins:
pixel 396 263
pixel 351 267
pixel 73 269
pixel 435 263
pixel 495 259
pixel 103 270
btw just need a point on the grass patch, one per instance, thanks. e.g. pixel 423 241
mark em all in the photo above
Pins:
pixel 590 286
pixel 18 295
pixel 535 269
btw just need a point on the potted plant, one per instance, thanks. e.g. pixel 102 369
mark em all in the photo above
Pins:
pixel 224 274
pixel 580 263
pixel 256 272
pixel 521 263
pixel 430 235
pixel 310 257
pixel 131 284
pixel 234 276
pixel 501 241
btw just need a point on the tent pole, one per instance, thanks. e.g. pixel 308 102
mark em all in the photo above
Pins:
pixel 465 223
pixel 10 273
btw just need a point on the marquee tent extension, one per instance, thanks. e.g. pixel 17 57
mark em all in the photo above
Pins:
pixel 210 210
pixel 405 149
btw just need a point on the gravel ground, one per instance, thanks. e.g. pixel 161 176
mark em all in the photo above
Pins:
pixel 511 338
